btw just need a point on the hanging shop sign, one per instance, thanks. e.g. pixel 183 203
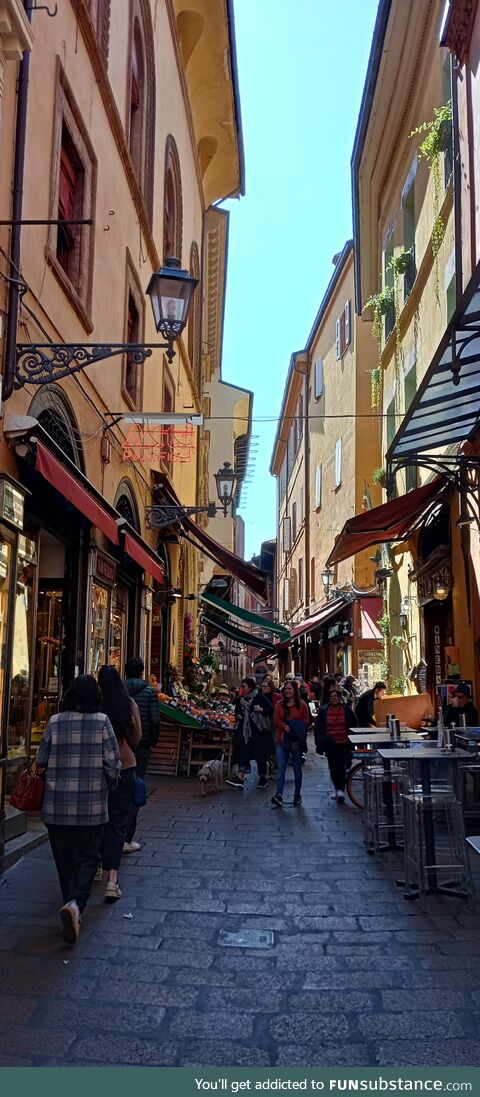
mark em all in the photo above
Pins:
pixel 334 631
pixel 435 573
pixel 12 500
pixel 105 569
pixel 157 442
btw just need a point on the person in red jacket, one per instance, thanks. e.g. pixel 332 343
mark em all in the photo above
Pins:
pixel 290 741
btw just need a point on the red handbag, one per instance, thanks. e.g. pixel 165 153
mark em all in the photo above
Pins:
pixel 28 792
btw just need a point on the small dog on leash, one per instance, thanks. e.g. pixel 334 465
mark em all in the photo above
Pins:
pixel 211 777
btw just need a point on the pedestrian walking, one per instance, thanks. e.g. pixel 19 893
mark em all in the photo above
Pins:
pixel 124 717
pixel 292 719
pixel 147 701
pixel 350 686
pixel 253 734
pixel 80 755
pixel 332 726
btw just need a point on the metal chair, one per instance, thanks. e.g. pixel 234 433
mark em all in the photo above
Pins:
pixel 383 815
pixel 435 853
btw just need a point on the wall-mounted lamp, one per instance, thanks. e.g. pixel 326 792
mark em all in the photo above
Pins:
pixel 441 590
pixel 327 579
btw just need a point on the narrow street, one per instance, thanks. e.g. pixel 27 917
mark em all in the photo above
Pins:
pixel 355 976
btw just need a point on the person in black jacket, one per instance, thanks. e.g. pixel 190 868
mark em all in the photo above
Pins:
pixel 146 699
pixel 462 705
pixel 253 735
pixel 332 726
pixel 365 706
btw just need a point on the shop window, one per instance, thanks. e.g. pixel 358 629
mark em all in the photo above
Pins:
pixel 141 100
pixel 70 247
pixel 172 202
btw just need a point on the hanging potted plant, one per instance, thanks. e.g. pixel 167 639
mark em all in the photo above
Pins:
pixel 380 303
pixel 379 476
pixel 438 138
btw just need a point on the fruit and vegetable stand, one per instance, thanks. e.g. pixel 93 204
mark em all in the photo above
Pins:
pixel 187 741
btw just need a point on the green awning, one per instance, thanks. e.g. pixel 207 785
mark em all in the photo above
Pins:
pixel 237 634
pixel 245 615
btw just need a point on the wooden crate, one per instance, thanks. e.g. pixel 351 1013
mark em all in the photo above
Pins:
pixel 165 756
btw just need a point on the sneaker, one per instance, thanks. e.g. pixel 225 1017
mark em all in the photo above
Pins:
pixel 297 799
pixel 277 800
pixel 112 892
pixel 334 795
pixel 97 879
pixel 131 847
pixel 340 798
pixel 262 782
pixel 70 918
pixel 235 782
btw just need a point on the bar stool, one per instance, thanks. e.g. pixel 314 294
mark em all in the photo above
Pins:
pixel 383 814
pixel 435 853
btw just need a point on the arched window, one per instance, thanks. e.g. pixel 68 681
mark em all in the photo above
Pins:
pixel 56 416
pixel 194 323
pixel 172 202
pixel 141 98
pixel 126 504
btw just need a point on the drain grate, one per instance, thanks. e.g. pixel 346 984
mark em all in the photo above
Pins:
pixel 246 938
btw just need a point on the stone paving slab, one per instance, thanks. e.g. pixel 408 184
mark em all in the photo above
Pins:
pixel 356 976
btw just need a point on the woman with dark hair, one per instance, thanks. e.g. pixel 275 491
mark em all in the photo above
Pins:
pixel 332 726
pixel 252 737
pixel 125 719
pixel 80 754
pixel 291 718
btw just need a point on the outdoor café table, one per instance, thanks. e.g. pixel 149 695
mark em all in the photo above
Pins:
pixel 425 755
pixel 378 735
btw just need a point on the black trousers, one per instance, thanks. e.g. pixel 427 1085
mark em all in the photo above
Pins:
pixel 76 852
pixel 339 758
pixel 262 749
pixel 120 803
pixel 143 758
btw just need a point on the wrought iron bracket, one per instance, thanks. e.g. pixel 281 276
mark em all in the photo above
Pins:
pixel 460 470
pixel 158 517
pixel 39 363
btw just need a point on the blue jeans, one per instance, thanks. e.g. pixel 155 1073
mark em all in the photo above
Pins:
pixel 282 759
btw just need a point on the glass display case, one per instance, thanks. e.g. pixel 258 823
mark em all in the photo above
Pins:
pixel 118 629
pixel 99 627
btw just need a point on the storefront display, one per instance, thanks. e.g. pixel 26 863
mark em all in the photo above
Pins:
pixel 6 556
pixel 118 629
pixel 99 627
pixel 21 681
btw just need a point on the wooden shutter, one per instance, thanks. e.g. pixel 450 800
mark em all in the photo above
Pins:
pixel 338 339
pixel 347 323
pixel 318 486
pixel 338 462
pixel 287 535
pixel 318 380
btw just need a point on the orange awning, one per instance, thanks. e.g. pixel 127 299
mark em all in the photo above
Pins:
pixel 393 521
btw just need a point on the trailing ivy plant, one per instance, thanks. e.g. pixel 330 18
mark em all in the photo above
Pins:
pixel 384 627
pixel 438 136
pixel 399 684
pixel 380 303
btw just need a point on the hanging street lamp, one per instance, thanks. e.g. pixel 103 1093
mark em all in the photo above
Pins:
pixel 225 479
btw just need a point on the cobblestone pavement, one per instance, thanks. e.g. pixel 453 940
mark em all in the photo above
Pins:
pixel 356 974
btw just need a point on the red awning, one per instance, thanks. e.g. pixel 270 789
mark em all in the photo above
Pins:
pixel 247 574
pixel 325 614
pixel 144 556
pixel 393 521
pixel 371 610
pixel 70 486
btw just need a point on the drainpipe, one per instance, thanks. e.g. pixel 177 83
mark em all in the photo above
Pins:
pixel 14 288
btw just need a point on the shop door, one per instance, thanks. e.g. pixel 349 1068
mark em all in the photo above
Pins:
pixel 50 634
pixel 438 632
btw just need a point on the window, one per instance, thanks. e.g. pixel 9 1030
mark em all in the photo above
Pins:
pixel 172 202
pixel 132 376
pixel 447 96
pixel 294 522
pixel 451 298
pixel 283 480
pixel 300 419
pixel 318 381
pixel 292 446
pixel 342 332
pixel 287 535
pixel 70 247
pixel 140 123
pixel 302 505
pixel 286 596
pixel 408 209
pixel 410 386
pixel 312 579
pixel 391 423
pixel 168 399
pixel 338 462
pixel 388 284
pixel 300 580
pixel 318 486
pixel 292 589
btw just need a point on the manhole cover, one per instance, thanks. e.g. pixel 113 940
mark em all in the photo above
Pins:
pixel 246 938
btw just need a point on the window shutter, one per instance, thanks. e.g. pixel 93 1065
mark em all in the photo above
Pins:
pixel 294 522
pixel 318 383
pixel 338 339
pixel 338 462
pixel 292 589
pixel 300 580
pixel 287 535
pixel 318 486
pixel 347 323
pixel 286 595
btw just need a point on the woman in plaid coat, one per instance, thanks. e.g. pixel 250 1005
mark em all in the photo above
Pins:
pixel 80 754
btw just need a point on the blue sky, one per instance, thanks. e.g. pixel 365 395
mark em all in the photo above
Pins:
pixel 301 72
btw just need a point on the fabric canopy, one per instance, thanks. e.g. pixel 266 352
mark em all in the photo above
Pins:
pixel 237 634
pixel 325 614
pixel 277 648
pixel 144 556
pixel 247 574
pixel 70 486
pixel 244 614
pixel 393 521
